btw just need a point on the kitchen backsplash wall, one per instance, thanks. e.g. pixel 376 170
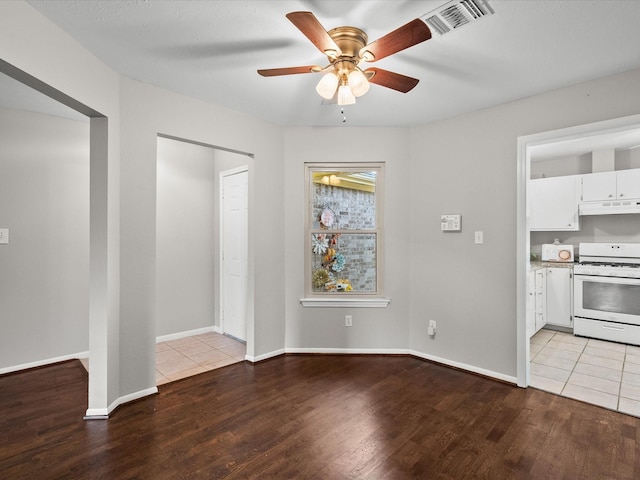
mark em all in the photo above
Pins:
pixel 597 228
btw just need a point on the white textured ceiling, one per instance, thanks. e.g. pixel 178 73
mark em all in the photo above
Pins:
pixel 210 50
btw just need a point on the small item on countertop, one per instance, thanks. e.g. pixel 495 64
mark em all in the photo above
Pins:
pixel 557 252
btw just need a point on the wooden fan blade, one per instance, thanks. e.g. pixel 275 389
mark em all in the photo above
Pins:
pixel 414 32
pixel 388 79
pixel 274 72
pixel 309 25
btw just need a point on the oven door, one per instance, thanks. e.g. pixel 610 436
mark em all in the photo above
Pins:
pixel 612 299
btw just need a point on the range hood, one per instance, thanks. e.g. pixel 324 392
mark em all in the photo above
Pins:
pixel 612 207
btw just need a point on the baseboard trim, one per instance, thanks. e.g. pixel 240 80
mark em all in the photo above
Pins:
pixel 41 363
pixel 188 333
pixel 103 413
pixel 463 366
pixel 350 351
pixel 264 356
pixel 392 351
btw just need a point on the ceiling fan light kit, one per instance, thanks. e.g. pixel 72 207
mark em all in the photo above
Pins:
pixel 358 82
pixel 327 85
pixel 346 47
pixel 345 96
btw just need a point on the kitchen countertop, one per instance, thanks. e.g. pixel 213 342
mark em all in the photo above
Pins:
pixel 537 265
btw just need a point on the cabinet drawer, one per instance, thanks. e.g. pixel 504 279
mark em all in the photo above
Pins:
pixel 614 332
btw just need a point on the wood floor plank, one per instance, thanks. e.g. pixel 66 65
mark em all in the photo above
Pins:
pixel 312 417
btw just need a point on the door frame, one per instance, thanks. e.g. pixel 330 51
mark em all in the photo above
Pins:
pixel 102 255
pixel 221 177
pixel 523 240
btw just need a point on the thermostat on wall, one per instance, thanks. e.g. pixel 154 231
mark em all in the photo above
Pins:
pixel 450 223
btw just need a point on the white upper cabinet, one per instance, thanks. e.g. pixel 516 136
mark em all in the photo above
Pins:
pixel 599 186
pixel 618 185
pixel 553 203
pixel 628 184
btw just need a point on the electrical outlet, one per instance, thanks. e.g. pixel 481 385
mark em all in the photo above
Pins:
pixel 478 237
pixel 348 321
pixel 431 329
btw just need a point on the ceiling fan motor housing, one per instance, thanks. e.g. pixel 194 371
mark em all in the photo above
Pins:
pixel 350 40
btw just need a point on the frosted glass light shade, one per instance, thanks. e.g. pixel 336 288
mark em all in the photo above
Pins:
pixel 358 83
pixel 327 85
pixel 345 96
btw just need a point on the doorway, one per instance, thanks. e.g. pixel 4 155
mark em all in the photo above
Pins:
pixel 189 267
pixel 556 139
pixel 41 98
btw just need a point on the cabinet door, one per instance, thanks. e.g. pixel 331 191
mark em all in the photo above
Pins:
pixel 540 300
pixel 599 187
pixel 553 204
pixel 558 298
pixel 531 305
pixel 628 184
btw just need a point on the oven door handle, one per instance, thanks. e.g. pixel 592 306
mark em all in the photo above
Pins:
pixel 609 327
pixel 600 279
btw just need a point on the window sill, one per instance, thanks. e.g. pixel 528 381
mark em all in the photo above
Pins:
pixel 375 302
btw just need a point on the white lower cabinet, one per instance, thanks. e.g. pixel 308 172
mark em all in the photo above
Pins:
pixel 531 306
pixel 559 296
pixel 537 303
pixel 551 298
pixel 541 298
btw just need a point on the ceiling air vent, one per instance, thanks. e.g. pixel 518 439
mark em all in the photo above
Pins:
pixel 455 14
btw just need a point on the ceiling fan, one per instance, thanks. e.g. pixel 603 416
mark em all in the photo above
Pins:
pixel 346 48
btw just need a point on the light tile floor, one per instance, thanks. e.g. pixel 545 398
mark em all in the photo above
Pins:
pixel 593 371
pixel 183 357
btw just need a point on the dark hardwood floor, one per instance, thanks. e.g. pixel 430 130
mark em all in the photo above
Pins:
pixel 315 417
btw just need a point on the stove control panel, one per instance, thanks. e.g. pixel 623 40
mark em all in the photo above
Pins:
pixel 607 271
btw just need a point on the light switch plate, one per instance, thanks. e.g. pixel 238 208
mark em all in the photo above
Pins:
pixel 4 236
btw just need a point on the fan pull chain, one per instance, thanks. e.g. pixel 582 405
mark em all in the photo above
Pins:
pixel 344 117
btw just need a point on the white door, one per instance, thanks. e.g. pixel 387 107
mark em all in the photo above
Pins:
pixel 234 252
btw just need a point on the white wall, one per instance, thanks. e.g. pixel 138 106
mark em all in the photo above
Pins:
pixel 186 198
pixel 38 48
pixel 44 201
pixel 374 329
pixel 122 327
pixel 123 247
pixel 468 165
pixel 147 111
pixel 582 164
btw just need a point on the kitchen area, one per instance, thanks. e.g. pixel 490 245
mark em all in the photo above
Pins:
pixel 583 308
